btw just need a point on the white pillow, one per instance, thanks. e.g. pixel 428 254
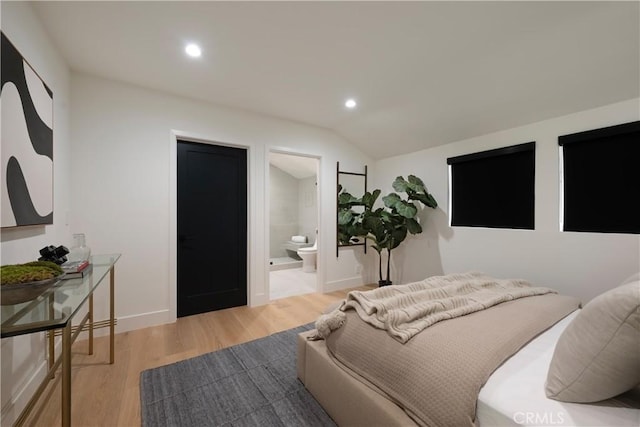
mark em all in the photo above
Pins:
pixel 598 356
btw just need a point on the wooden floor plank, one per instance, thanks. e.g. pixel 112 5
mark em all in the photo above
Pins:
pixel 109 395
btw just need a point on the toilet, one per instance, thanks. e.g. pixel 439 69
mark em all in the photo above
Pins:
pixel 308 256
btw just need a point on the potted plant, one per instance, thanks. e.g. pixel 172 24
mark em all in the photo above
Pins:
pixel 387 226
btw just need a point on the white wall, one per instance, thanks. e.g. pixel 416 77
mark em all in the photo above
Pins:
pixel 307 208
pixel 581 264
pixel 283 210
pixel 23 362
pixel 123 164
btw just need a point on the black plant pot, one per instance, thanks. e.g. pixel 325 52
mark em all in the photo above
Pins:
pixel 382 283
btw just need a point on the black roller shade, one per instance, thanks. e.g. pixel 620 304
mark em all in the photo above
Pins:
pixel 601 179
pixel 494 188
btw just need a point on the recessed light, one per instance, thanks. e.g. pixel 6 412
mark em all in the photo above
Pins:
pixel 193 50
pixel 350 103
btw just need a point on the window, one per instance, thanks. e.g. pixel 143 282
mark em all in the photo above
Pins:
pixel 601 180
pixel 494 188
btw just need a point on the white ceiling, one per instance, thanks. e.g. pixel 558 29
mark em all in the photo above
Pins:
pixel 423 73
pixel 299 167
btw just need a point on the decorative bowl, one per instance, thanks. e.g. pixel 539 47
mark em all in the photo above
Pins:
pixel 23 292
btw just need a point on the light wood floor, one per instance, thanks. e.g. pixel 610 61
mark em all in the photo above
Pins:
pixel 109 395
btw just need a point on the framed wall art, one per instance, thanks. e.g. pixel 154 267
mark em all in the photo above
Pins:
pixel 26 142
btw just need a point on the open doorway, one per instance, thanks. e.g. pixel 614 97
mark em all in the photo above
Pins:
pixel 293 224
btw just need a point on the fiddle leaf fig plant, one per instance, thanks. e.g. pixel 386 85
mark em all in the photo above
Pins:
pixel 416 190
pixel 386 227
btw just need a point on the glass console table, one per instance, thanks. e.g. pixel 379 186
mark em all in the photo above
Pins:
pixel 54 310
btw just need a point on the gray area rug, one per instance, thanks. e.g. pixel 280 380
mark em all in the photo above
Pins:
pixel 251 384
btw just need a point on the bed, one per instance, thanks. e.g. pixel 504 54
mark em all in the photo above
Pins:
pixel 512 394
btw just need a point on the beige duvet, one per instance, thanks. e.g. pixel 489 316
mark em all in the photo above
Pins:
pixel 437 374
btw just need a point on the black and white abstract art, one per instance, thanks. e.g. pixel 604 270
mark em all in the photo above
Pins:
pixel 26 142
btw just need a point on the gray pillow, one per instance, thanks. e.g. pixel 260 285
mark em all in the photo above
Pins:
pixel 598 356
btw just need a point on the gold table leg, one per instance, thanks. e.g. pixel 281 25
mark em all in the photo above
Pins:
pixel 52 342
pixel 52 352
pixel 112 316
pixel 66 376
pixel 91 323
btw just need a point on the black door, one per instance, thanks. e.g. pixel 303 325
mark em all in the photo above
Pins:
pixel 212 227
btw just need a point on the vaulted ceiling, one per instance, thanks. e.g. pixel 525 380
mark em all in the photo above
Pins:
pixel 422 73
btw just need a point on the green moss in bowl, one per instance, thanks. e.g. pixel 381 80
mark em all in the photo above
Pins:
pixel 34 271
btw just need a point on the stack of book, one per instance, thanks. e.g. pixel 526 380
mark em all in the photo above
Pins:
pixel 75 269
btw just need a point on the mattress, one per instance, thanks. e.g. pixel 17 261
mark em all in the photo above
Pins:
pixel 514 394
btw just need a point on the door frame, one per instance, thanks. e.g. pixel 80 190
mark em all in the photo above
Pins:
pixel 173 212
pixel 320 272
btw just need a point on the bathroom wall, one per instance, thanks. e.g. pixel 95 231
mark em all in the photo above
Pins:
pixel 283 210
pixel 307 208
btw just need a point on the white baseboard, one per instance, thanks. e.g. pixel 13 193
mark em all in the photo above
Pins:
pixel 12 409
pixel 338 285
pixel 143 320
pixel 258 300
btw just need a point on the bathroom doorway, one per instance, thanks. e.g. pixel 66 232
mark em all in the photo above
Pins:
pixel 293 224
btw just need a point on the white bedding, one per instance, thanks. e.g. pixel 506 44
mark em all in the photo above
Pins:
pixel 514 394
